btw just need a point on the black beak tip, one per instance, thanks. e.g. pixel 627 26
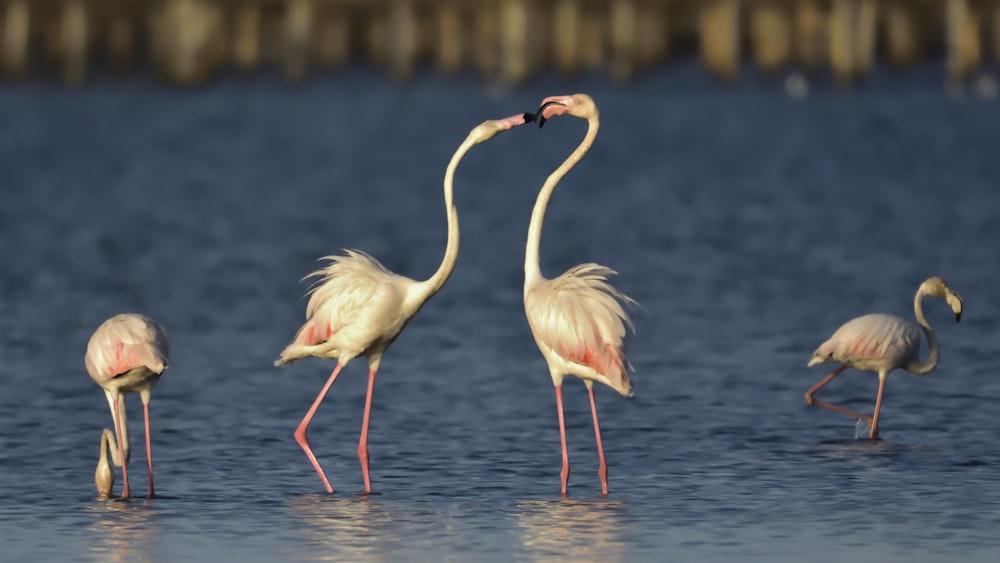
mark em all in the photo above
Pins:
pixel 958 316
pixel 541 121
pixel 529 117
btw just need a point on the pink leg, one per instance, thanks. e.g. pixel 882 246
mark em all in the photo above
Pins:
pixel 126 492
pixel 149 452
pixel 838 408
pixel 300 432
pixel 564 474
pixel 878 407
pixel 603 469
pixel 363 443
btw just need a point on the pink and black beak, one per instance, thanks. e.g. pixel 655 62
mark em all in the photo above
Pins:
pixel 541 111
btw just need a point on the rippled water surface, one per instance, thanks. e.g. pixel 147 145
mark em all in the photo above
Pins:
pixel 748 226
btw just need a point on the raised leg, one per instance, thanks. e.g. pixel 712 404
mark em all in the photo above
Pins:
pixel 878 406
pixel 602 470
pixel 126 492
pixel 564 474
pixel 300 432
pixel 363 443
pixel 149 451
pixel 838 408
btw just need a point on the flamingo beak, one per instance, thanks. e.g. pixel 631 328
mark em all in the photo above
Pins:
pixel 958 316
pixel 541 112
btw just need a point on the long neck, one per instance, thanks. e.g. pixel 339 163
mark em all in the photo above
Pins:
pixel 434 283
pixel 532 268
pixel 917 367
pixel 118 457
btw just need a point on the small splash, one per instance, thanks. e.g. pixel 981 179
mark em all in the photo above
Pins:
pixel 862 430
pixel 797 86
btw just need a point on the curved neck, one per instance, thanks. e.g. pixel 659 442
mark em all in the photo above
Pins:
pixel 917 367
pixel 434 283
pixel 532 268
pixel 118 457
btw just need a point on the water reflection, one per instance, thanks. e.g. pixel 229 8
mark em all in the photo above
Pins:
pixel 338 529
pixel 573 530
pixel 123 531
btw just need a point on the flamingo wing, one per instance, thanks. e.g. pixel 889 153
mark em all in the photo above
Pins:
pixel 580 317
pixel 873 337
pixel 126 342
pixel 355 298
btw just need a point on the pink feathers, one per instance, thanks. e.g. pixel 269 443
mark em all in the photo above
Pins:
pixel 126 342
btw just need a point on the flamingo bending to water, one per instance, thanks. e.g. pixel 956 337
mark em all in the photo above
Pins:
pixel 882 343
pixel 126 354
pixel 359 307
pixel 577 319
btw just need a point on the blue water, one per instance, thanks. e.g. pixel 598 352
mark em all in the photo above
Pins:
pixel 748 226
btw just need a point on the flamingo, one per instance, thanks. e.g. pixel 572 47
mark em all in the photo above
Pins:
pixel 882 343
pixel 577 319
pixel 358 307
pixel 126 354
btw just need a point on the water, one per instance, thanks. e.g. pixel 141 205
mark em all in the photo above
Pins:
pixel 748 225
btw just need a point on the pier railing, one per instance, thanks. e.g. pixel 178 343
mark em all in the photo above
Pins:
pixel 187 41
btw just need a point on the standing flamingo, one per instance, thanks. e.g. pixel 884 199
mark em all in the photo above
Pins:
pixel 882 343
pixel 577 319
pixel 358 307
pixel 126 354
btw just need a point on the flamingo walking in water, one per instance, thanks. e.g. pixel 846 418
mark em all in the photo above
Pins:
pixel 577 319
pixel 126 354
pixel 358 308
pixel 882 343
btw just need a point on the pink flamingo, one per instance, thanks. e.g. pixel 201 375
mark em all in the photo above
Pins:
pixel 126 354
pixel 577 319
pixel 882 343
pixel 358 307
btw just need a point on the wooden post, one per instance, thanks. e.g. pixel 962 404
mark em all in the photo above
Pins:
pixel 842 27
pixel 74 32
pixel 449 38
pixel 770 32
pixel 513 41
pixel 333 40
pixel 298 32
pixel 864 40
pixel 16 28
pixel 902 44
pixel 654 34
pixel 719 37
pixel 624 39
pixel 486 37
pixel 810 33
pixel 565 32
pixel 962 35
pixel 246 36
pixel 402 39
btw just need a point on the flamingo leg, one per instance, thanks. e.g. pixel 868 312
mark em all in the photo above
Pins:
pixel 564 474
pixel 300 432
pixel 878 407
pixel 602 471
pixel 363 443
pixel 149 451
pixel 126 492
pixel 811 401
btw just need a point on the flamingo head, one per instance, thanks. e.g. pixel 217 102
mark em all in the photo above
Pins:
pixel 577 105
pixel 937 287
pixel 104 478
pixel 488 129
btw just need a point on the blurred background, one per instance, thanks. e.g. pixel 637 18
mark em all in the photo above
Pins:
pixel 765 170
pixel 190 41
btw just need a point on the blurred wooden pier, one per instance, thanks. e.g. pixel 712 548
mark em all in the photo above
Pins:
pixel 187 41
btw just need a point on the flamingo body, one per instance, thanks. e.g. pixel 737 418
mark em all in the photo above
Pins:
pixel 872 342
pixel 579 324
pixel 126 354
